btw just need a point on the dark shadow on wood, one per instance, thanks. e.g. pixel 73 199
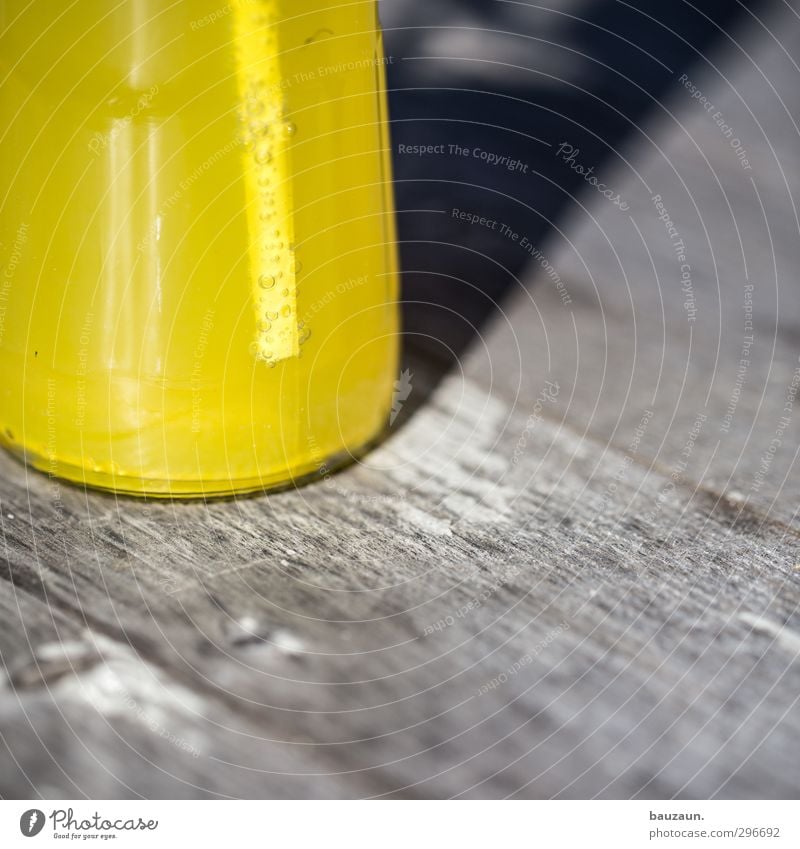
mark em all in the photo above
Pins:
pixel 526 81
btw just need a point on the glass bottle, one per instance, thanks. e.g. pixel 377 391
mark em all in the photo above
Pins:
pixel 198 283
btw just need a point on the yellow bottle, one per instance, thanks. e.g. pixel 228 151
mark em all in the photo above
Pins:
pixel 198 286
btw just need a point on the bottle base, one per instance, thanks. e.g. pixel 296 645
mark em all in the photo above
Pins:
pixel 190 490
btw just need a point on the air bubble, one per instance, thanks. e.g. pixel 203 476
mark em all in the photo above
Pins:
pixel 267 281
pixel 289 129
pixel 272 316
pixel 285 311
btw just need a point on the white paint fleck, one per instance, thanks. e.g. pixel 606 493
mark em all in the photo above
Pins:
pixel 63 650
pixel 424 522
pixel 780 633
pixel 123 685
pixel 287 642
pixel 249 624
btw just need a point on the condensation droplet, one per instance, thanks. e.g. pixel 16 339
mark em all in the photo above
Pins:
pixel 285 311
pixel 255 348
pixel 289 129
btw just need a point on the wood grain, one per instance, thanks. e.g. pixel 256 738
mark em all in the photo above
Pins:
pixel 525 591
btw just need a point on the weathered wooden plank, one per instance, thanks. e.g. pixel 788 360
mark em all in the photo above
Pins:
pixel 507 598
pixel 632 339
pixel 325 646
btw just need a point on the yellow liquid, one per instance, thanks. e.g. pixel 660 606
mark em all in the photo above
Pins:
pixel 197 268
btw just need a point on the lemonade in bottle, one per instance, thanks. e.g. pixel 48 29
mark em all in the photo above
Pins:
pixel 198 284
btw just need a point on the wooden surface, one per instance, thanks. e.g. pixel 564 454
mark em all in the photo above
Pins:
pixel 592 596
